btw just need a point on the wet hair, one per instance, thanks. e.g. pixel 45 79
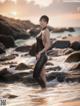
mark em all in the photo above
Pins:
pixel 45 18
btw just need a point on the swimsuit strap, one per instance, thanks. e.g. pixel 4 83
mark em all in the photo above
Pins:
pixel 44 28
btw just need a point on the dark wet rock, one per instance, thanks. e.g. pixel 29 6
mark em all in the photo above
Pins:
pixel 56 68
pixel 34 31
pixel 56 52
pixel 9 57
pixel 15 28
pixel 9 96
pixel 69 35
pixel 64 37
pixel 23 49
pixel 73 57
pixel 64 76
pixel 68 51
pixel 60 76
pixel 24 55
pixel 59 52
pixel 75 45
pixel 8 41
pixel 61 44
pixel 8 63
pixel 70 29
pixel 4 73
pixel 2 48
pixel 72 77
pixel 53 52
pixel 49 63
pixel 22 66
pixel 60 30
pixel 8 76
pixel 29 79
pixel 75 67
pixel 12 65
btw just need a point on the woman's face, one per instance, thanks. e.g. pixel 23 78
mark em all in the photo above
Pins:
pixel 43 23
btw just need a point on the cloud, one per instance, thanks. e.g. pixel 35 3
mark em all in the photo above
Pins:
pixel 2 1
pixel 41 3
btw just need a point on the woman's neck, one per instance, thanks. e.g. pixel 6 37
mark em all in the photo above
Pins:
pixel 44 28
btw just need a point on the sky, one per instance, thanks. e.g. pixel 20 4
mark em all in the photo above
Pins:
pixel 62 13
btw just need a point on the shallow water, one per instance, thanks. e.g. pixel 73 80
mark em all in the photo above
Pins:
pixel 57 95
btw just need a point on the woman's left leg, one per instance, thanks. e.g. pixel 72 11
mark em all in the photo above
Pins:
pixel 38 69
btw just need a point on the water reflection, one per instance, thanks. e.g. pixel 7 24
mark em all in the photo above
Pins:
pixel 39 101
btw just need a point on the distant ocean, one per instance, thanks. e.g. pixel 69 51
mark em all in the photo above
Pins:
pixel 32 40
pixel 66 33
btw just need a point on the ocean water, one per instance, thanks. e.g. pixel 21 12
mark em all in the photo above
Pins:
pixel 32 40
pixel 57 94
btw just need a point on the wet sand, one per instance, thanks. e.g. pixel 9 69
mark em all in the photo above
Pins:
pixel 72 103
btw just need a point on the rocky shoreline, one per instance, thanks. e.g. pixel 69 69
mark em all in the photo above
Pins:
pixel 63 56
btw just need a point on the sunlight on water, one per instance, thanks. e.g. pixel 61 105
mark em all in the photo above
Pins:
pixel 53 96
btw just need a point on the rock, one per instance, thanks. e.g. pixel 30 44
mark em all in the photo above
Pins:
pixel 7 41
pixel 68 51
pixel 56 68
pixel 9 96
pixel 4 74
pixel 73 57
pixel 61 44
pixel 9 76
pixel 49 63
pixel 15 28
pixel 53 52
pixel 64 37
pixel 60 30
pixel 70 29
pixel 64 76
pixel 75 45
pixel 2 48
pixel 9 57
pixel 34 31
pixel 72 77
pixel 22 66
pixel 75 67
pixel 23 49
pixel 59 52
pixel 69 35
pixel 59 75
pixel 12 65
pixel 8 63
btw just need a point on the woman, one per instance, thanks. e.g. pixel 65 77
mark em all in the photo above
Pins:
pixel 43 44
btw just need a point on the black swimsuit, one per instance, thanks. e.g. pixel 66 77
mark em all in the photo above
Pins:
pixel 40 63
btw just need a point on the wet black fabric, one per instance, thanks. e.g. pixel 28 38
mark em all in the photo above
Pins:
pixel 38 68
pixel 40 63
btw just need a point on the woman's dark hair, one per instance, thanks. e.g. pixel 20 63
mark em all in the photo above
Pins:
pixel 45 18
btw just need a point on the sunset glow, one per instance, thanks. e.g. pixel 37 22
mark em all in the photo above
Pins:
pixel 13 13
pixel 60 12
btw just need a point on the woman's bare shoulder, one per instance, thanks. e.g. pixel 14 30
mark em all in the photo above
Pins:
pixel 46 32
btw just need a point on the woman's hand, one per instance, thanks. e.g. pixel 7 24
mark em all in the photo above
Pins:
pixel 38 56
